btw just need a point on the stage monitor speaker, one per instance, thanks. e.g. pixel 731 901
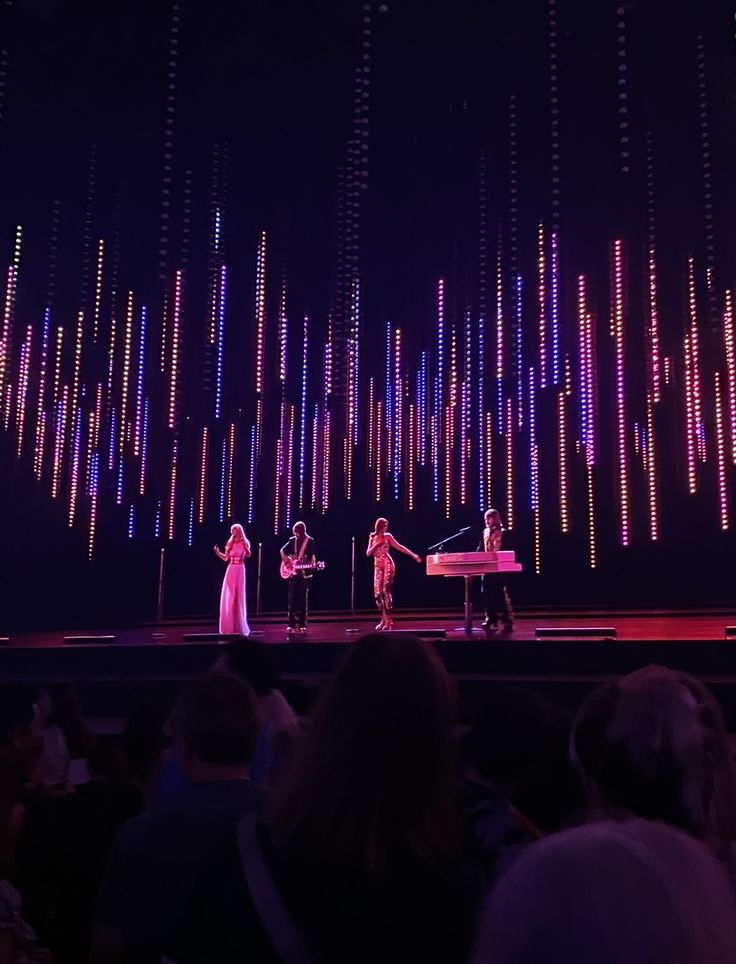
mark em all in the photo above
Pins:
pixel 89 640
pixel 729 632
pixel 576 632
pixel 213 637
pixel 4 640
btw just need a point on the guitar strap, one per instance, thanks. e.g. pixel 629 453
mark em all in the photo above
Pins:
pixel 300 554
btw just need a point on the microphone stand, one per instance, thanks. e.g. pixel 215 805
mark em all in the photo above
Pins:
pixel 468 581
pixel 441 544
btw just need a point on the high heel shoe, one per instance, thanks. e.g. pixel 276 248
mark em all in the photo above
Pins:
pixel 388 625
pixel 380 626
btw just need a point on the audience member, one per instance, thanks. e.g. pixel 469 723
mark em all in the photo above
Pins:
pixel 280 730
pixel 634 892
pixel 360 854
pixel 18 942
pixel 67 739
pixel 145 742
pixel 654 744
pixel 156 857
pixel 518 780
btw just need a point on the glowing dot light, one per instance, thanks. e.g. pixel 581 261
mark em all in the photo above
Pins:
pixel 260 333
pixel 721 455
pixel 144 449
pixel 411 458
pixel 201 500
pixel 61 412
pixel 379 453
pixel 398 412
pixel 25 356
pixel 562 454
pixel 223 481
pixel 696 386
pixel 190 526
pixel 510 508
pixel 618 334
pixel 690 419
pixel 499 340
pixel 74 483
pixel 140 383
pixel 230 468
pixel 172 488
pixel 303 413
pixel 175 339
pixel 131 522
pixel 41 412
pixel 651 467
pixel 534 473
pixel 252 474
pixel 371 422
pixel 541 281
pixel 94 495
pixel 728 338
pixel 315 457
pixel 127 354
pixel 555 305
pixel 98 291
pixel 221 303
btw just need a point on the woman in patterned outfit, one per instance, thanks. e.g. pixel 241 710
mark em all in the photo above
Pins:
pixel 380 543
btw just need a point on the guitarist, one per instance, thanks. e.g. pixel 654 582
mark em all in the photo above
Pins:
pixel 299 549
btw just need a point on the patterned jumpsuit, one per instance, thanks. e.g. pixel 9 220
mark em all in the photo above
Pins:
pixel 384 571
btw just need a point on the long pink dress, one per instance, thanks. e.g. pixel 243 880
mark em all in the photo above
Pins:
pixel 233 608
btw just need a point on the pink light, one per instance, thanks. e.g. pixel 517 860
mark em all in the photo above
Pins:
pixel 411 458
pixel 651 467
pixel 41 413
pixel 201 501
pixel 175 339
pixel 379 452
pixel 617 323
pixel 721 456
pixel 315 457
pixel 541 271
pixel 728 338
pixel 98 290
pixel 510 510
pixel 59 442
pixel 230 468
pixel 562 456
pixel 25 360
pixel 172 488
pixel 74 484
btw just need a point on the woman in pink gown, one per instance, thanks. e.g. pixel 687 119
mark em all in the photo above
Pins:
pixel 233 608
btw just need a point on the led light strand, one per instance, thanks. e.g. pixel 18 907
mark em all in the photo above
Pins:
pixel 203 456
pixel 221 305
pixel 172 488
pixel 562 452
pixel 730 346
pixel 303 413
pixel 140 383
pixel 651 467
pixel 175 338
pixel 721 456
pixel 618 330
pixel 542 321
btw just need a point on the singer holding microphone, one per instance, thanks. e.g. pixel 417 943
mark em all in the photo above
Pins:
pixel 380 543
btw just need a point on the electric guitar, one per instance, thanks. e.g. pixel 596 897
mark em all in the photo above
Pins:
pixel 292 567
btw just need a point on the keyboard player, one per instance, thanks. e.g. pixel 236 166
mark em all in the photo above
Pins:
pixel 495 596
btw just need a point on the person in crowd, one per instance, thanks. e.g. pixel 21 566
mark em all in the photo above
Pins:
pixel 654 744
pixel 145 746
pixel 18 941
pixel 359 860
pixel 68 742
pixel 279 725
pixel 518 782
pixel 380 544
pixel 299 550
pixel 87 822
pixel 233 605
pixel 156 857
pixel 495 595
pixel 623 892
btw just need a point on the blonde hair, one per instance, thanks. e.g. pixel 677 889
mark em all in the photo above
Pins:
pixel 237 534
pixel 383 523
pixel 496 515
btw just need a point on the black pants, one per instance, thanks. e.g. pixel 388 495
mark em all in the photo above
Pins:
pixel 298 591
pixel 496 599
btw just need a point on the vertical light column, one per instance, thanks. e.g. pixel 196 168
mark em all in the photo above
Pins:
pixel 534 473
pixel 728 339
pixel 721 455
pixel 203 456
pixel 175 341
pixel 542 305
pixel 303 413
pixel 618 332
pixel 510 507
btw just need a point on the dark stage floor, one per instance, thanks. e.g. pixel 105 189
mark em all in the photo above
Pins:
pixel 630 626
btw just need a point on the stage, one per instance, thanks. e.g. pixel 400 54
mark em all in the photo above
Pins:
pixel 630 626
